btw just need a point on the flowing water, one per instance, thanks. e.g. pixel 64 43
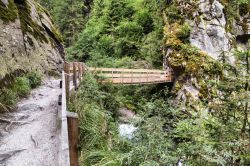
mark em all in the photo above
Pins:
pixel 127 130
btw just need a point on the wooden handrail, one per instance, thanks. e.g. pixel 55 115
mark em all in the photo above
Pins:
pixel 74 72
pixel 126 70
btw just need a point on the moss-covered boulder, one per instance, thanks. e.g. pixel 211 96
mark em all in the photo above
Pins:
pixel 28 39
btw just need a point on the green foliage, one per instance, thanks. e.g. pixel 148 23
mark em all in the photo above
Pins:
pixel 8 99
pixel 173 13
pixel 119 29
pixel 90 105
pixel 19 88
pixel 144 19
pixel 184 33
pixel 8 13
pixel 69 15
pixel 233 10
pixel 34 78
pixel 211 130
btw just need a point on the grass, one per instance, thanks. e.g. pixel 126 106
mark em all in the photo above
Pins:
pixel 19 88
pixel 8 13
pixel 100 143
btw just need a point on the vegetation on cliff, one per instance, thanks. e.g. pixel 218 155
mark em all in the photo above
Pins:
pixel 16 88
pixel 209 129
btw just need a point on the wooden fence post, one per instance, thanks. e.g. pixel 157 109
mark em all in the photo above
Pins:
pixel 67 79
pixel 75 75
pixel 83 69
pixel 72 119
pixel 79 72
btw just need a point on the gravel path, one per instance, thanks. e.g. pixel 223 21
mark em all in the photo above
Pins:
pixel 33 140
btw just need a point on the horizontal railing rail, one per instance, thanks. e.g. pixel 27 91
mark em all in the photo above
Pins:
pixel 73 75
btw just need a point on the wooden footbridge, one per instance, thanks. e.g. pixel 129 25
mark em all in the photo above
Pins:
pixel 119 75
pixel 72 75
pixel 132 76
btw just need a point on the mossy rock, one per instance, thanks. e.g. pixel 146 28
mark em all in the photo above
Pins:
pixel 244 9
pixel 27 24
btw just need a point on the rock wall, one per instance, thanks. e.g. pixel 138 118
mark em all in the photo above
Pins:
pixel 217 28
pixel 28 39
pixel 210 31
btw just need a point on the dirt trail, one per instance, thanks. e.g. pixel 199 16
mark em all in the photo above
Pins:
pixel 33 140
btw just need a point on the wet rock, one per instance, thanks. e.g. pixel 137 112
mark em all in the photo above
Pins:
pixel 21 116
pixel 125 114
pixel 30 107
pixel 32 47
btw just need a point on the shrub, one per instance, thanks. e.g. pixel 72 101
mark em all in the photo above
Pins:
pixel 35 79
pixel 21 86
pixel 184 33
pixel 145 20
pixel 8 99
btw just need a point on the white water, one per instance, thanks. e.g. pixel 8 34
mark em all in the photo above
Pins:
pixel 127 130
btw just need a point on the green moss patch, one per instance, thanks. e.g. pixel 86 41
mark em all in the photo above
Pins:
pixel 187 60
pixel 8 13
pixel 27 24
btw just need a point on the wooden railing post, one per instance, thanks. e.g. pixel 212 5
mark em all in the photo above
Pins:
pixel 147 76
pixel 67 79
pixel 75 75
pixel 169 75
pixel 122 75
pixel 83 70
pixel 79 72
pixel 72 119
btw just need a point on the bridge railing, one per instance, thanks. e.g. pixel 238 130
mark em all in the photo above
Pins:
pixel 68 153
pixel 72 75
pixel 133 76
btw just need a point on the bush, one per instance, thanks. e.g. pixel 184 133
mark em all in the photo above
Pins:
pixel 184 33
pixel 8 99
pixel 145 20
pixel 35 79
pixel 21 86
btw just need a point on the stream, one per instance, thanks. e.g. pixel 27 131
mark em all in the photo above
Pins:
pixel 126 129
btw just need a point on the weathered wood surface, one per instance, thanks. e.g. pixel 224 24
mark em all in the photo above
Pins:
pixel 133 76
pixel 64 159
pixel 74 74
pixel 146 80
pixel 67 79
pixel 72 119
pixel 123 76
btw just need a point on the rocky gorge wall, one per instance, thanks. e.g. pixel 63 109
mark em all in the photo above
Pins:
pixel 212 31
pixel 199 34
pixel 28 39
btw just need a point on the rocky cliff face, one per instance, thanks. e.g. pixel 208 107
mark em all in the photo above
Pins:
pixel 199 35
pixel 211 31
pixel 28 39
